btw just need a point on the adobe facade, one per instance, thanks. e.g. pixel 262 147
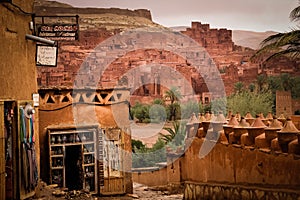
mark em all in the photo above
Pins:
pixel 233 61
pixel 18 83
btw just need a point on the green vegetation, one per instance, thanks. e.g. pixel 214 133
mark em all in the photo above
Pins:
pixel 248 101
pixel 173 96
pixel 148 157
pixel 175 136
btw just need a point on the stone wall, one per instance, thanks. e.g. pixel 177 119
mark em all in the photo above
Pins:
pixel 212 191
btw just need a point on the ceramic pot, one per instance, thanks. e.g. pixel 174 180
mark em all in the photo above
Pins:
pixel 253 132
pixel 271 133
pixel 205 125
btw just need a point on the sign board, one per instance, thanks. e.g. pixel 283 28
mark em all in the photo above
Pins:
pixel 48 27
pixel 46 55
pixel 36 98
pixel 58 32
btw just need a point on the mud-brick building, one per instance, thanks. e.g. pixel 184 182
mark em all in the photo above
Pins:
pixel 17 83
pixel 85 139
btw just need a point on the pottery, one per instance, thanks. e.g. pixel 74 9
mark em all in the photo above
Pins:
pixel 218 122
pixel 257 128
pixel 248 117
pixel 205 126
pixel 271 131
pixel 241 128
pixel 288 133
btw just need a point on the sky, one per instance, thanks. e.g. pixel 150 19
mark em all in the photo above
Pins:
pixel 254 15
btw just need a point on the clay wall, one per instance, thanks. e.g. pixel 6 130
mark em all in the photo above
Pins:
pixel 18 83
pixel 242 172
pixel 58 108
pixel 216 41
pixel 229 164
pixel 167 175
pixel 18 70
pixel 70 57
pixel 146 176
pixel 284 103
pixel 73 54
pixel 295 105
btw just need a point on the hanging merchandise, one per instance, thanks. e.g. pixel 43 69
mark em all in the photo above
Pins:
pixel 24 161
pixel 29 166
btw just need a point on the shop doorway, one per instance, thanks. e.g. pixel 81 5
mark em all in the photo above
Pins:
pixel 74 171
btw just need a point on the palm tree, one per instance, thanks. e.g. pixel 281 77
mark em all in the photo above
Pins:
pixel 173 95
pixel 238 87
pixel 283 43
pixel 286 82
pixel 175 135
pixel 260 82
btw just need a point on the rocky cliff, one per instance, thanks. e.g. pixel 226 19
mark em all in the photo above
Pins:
pixel 93 18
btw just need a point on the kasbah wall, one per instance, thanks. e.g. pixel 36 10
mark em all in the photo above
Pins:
pixel 233 61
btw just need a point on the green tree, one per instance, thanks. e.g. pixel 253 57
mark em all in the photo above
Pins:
pixel 251 87
pixel 148 157
pixel 141 112
pixel 238 87
pixel 173 95
pixel 261 81
pixel 249 101
pixel 176 135
pixel 287 44
pixel 286 82
pixel 137 145
pixel 219 104
pixel 158 102
pixel 189 108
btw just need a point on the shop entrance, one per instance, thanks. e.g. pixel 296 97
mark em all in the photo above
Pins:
pixel 74 171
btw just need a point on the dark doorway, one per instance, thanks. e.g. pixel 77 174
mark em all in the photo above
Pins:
pixel 73 164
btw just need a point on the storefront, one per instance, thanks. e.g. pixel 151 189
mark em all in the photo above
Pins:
pixel 19 175
pixel 86 153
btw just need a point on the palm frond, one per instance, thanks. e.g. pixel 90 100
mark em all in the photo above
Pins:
pixel 295 14
pixel 280 44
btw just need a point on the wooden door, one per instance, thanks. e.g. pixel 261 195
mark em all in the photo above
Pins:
pixel 113 167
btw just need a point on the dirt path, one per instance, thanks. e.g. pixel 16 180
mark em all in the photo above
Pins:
pixel 140 192
pixel 145 193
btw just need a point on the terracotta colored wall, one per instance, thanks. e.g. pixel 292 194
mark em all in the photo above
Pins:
pixel 17 66
pixel 18 70
pixel 61 113
pixel 151 178
pixel 231 165
pixel 171 174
